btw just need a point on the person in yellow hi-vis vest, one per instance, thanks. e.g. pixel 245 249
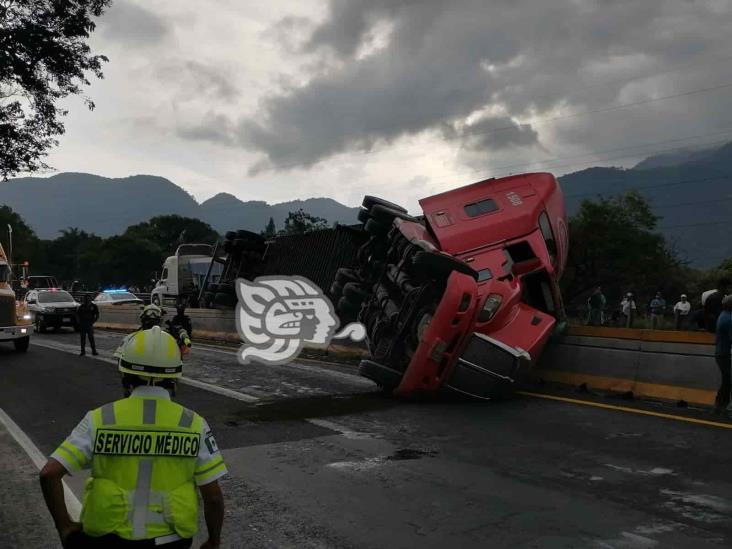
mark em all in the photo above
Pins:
pixel 147 454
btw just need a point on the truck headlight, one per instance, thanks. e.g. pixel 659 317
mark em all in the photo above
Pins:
pixel 26 316
pixel 490 307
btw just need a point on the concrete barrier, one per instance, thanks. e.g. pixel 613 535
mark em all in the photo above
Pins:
pixel 671 366
pixel 211 325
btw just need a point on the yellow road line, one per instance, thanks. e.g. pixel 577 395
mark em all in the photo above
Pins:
pixel 629 410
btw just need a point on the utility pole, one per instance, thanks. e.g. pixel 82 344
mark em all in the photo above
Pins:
pixel 10 245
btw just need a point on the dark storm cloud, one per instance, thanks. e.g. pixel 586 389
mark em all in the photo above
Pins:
pixel 445 61
pixel 133 25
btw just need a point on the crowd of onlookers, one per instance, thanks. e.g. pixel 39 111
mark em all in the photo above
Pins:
pixel 657 313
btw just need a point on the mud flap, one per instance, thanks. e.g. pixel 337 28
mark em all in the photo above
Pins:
pixel 488 368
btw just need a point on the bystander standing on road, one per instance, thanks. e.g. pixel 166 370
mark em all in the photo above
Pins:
pixel 723 355
pixel 681 313
pixel 86 316
pixel 596 305
pixel 628 307
pixel 658 306
pixel 711 301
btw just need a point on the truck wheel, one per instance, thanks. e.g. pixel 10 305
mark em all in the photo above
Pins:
pixel 21 345
pixel 376 228
pixel 336 290
pixel 363 215
pixel 228 246
pixel 230 235
pixel 344 276
pixel 387 215
pixel 348 307
pixel 386 378
pixel 440 265
pixel 354 293
pixel 369 201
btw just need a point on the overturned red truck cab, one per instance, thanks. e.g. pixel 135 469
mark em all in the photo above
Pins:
pixel 465 297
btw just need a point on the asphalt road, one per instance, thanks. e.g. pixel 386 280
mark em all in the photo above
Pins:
pixel 318 458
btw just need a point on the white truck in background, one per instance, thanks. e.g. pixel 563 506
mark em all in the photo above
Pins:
pixel 184 274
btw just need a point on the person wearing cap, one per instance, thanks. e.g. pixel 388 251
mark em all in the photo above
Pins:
pixel 723 355
pixel 147 455
pixel 681 313
pixel 628 308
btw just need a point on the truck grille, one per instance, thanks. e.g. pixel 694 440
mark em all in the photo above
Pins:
pixel 7 311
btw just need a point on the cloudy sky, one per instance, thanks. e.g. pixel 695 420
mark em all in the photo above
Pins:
pixel 281 99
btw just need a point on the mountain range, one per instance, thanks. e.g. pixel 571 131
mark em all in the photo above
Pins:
pixel 106 207
pixel 690 191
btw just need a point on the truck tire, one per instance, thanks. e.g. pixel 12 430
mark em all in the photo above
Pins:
pixel 386 378
pixel 228 246
pixel 387 215
pixel 230 235
pixel 376 228
pixel 440 265
pixel 335 291
pixel 355 293
pixel 369 201
pixel 347 307
pixel 21 344
pixel 363 216
pixel 344 276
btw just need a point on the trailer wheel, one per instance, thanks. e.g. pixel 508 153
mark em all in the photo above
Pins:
pixel 369 201
pixel 21 344
pixel 440 265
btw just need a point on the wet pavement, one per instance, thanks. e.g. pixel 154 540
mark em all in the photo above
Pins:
pixel 319 458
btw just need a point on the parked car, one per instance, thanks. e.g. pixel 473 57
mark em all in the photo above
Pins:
pixel 464 297
pixel 52 308
pixel 116 297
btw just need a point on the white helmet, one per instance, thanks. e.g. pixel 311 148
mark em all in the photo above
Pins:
pixel 150 353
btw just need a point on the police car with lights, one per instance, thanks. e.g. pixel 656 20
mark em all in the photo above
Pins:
pixel 52 308
pixel 117 297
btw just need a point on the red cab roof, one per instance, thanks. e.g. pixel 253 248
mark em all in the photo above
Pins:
pixel 490 211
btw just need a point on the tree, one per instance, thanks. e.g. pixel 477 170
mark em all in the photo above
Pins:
pixel 74 255
pixel 301 222
pixel 124 260
pixel 613 244
pixel 169 231
pixel 26 245
pixel 44 57
pixel 270 230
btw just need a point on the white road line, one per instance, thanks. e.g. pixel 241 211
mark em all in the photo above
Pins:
pixel 338 428
pixel 218 390
pixel 299 366
pixel 38 459
pixel 184 380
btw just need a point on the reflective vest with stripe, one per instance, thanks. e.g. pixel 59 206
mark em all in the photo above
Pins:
pixel 144 456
